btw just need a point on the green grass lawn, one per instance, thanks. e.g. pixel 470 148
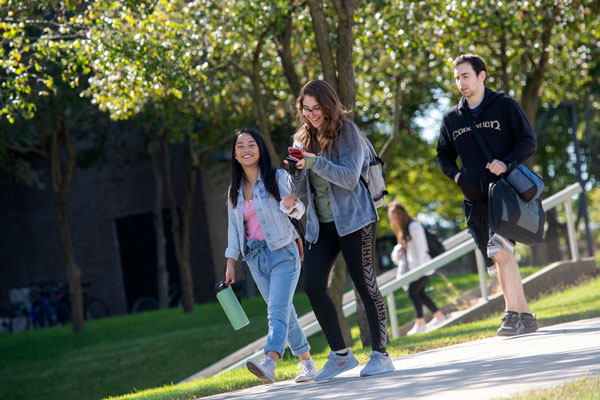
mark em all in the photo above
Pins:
pixel 587 388
pixel 131 353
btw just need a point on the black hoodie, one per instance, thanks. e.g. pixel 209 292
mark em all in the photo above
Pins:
pixel 504 128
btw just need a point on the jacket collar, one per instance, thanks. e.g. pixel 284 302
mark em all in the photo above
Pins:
pixel 258 178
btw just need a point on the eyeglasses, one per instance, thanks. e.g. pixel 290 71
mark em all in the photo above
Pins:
pixel 316 110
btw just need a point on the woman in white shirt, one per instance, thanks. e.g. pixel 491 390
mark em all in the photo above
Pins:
pixel 410 253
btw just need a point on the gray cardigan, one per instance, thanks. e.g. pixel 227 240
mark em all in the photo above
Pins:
pixel 351 202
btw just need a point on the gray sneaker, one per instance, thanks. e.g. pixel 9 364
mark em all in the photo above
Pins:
pixel 265 370
pixel 511 325
pixel 309 370
pixel 378 364
pixel 529 322
pixel 335 365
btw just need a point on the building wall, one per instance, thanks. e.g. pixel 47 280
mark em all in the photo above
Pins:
pixel 30 249
pixel 215 180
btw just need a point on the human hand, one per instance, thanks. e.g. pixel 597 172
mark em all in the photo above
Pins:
pixel 290 201
pixel 230 274
pixel 456 177
pixel 496 167
pixel 302 163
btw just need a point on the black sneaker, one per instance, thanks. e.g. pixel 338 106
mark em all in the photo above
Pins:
pixel 529 322
pixel 511 325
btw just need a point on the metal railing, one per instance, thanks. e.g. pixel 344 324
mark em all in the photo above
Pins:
pixel 457 248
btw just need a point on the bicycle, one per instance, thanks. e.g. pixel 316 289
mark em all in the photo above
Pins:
pixel 149 303
pixel 93 307
pixel 18 317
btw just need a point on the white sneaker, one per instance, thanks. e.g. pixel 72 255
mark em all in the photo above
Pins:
pixel 335 365
pixel 309 370
pixel 265 370
pixel 416 329
pixel 497 241
pixel 378 364
pixel 435 321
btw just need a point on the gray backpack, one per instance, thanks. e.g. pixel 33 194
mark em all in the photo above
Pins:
pixel 376 181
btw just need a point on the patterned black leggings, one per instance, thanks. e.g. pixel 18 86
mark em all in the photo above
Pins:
pixel 358 249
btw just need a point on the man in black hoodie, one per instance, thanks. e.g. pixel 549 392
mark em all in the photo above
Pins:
pixel 508 135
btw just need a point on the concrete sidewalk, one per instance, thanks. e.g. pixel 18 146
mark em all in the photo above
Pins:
pixel 484 369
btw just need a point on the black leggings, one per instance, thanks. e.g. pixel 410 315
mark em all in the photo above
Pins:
pixel 358 251
pixel 416 292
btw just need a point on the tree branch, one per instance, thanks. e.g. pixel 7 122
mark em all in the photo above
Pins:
pixel 321 31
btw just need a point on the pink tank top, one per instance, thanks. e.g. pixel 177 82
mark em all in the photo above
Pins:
pixel 251 224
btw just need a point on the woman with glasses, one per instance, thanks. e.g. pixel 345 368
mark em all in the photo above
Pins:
pixel 341 216
pixel 259 207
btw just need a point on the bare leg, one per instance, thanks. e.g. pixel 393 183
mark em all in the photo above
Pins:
pixel 274 355
pixel 420 321
pixel 305 356
pixel 510 281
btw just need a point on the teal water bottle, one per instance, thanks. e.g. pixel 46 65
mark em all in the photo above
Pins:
pixel 232 307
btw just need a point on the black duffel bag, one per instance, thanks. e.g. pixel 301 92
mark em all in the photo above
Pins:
pixel 525 181
pixel 512 217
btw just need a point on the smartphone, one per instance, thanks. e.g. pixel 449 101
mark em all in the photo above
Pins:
pixel 295 153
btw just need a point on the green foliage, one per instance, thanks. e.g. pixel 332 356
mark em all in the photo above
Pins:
pixel 514 36
pixel 36 35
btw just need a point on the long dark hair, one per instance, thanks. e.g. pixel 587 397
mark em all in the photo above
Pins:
pixel 267 172
pixel 334 114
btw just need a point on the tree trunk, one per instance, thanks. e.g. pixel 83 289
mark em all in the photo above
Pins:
pixel 180 242
pixel 323 42
pixel 186 272
pixel 162 273
pixel 530 97
pixel 505 85
pixel 386 150
pixel 346 79
pixel 284 49
pixel 259 102
pixel 335 288
pixel 61 180
pixel 590 135
pixel 550 250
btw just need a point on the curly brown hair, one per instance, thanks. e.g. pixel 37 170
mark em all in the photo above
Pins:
pixel 334 117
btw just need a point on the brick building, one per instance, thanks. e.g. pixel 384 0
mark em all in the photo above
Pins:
pixel 110 216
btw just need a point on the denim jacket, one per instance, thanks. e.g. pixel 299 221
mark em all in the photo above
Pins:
pixel 351 202
pixel 274 223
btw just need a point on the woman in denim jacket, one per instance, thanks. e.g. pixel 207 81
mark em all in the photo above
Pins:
pixel 258 206
pixel 341 216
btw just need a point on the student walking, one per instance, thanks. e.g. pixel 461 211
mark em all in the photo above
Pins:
pixel 341 216
pixel 505 129
pixel 258 209
pixel 410 253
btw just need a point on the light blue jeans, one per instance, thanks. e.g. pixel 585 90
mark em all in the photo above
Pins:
pixel 276 275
